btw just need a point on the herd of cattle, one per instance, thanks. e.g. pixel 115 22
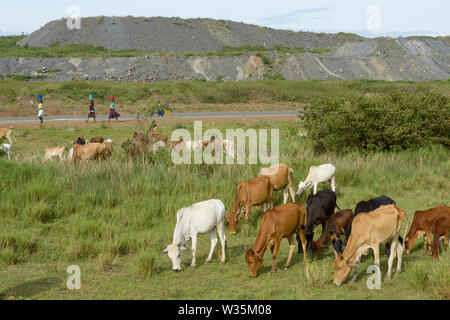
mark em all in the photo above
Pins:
pixel 352 233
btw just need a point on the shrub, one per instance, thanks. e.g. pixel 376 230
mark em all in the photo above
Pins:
pixel 145 265
pixel 385 122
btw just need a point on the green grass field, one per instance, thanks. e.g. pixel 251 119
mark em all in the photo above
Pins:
pixel 114 219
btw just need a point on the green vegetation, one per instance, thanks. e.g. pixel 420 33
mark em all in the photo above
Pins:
pixel 393 121
pixel 114 219
pixel 9 49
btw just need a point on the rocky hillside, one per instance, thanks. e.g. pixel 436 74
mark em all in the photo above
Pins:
pixel 176 35
pixel 349 56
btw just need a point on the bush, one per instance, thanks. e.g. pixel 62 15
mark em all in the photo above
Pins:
pixel 146 265
pixel 385 122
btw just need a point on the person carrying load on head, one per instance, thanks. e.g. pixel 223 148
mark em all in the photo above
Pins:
pixel 91 108
pixel 39 98
pixel 169 110
pixel 112 109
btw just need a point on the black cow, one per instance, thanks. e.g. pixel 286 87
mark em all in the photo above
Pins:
pixel 319 208
pixel 365 206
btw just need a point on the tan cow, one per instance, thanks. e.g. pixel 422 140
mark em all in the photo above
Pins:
pixel 108 150
pixel 97 139
pixel 54 152
pixel 284 221
pixel 281 177
pixel 91 151
pixel 422 223
pixel 8 133
pixel 255 192
pixel 369 229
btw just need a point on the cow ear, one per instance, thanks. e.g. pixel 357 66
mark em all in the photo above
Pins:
pixel 166 250
pixel 351 264
pixel 343 231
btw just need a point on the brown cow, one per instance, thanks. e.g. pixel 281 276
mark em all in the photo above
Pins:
pixel 334 227
pixel 281 222
pixel 159 137
pixel 177 142
pixel 369 229
pixel 54 152
pixel 441 228
pixel 97 140
pixel 281 177
pixel 91 151
pixel 108 150
pixel 141 138
pixel 79 140
pixel 8 133
pixel 423 224
pixel 257 191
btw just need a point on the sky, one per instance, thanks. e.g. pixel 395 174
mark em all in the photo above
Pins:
pixel 367 18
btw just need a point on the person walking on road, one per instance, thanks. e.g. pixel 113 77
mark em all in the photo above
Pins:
pixel 40 108
pixel 91 108
pixel 112 109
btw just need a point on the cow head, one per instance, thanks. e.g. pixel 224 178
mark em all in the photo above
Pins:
pixel 409 241
pixel 232 218
pixel 341 268
pixel 317 248
pixel 301 187
pixel 254 262
pixel 339 245
pixel 175 253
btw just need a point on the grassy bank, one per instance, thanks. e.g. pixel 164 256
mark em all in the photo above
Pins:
pixel 113 220
pixel 71 97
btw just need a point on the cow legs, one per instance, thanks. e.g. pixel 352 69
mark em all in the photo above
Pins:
pixel 427 243
pixel 355 273
pixel 276 247
pixel 399 258
pixel 285 195
pixel 221 231
pixel 333 183
pixel 391 260
pixel 213 237
pixel 247 212
pixel 301 236
pixel 292 193
pixel 194 246
pixel 291 241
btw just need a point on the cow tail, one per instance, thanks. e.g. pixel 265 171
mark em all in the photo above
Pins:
pixel 407 228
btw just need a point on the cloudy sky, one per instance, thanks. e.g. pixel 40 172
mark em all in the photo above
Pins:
pixel 367 18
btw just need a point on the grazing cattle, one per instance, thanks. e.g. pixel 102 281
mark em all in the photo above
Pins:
pixel 79 140
pixel 54 152
pixel 200 218
pixel 7 148
pixel 257 191
pixel 91 151
pixel 369 230
pixel 159 137
pixel 226 145
pixel 97 140
pixel 8 134
pixel 281 177
pixel 441 228
pixel 334 227
pixel 283 221
pixel 316 175
pixel 423 223
pixel 141 138
pixel 108 140
pixel 319 208
pixel 363 206
pixel 177 142
pixel 108 150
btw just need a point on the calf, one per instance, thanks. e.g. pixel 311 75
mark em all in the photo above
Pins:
pixel 51 153
pixel 107 152
pixel 7 148
pixel 257 191
pixel 281 177
pixel 316 175
pixel 202 217
pixel 8 133
pixel 441 228
pixel 363 206
pixel 97 140
pixel 281 222
pixel 91 151
pixel 422 223
pixel 334 227
pixel 369 230
pixel 319 207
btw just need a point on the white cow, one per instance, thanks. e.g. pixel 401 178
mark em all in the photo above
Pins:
pixel 54 152
pixel 200 218
pixel 70 155
pixel 322 173
pixel 7 148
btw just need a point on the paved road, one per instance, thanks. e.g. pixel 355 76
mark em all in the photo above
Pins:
pixel 196 115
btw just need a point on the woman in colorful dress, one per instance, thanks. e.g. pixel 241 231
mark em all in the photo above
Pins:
pixel 91 108
pixel 112 110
